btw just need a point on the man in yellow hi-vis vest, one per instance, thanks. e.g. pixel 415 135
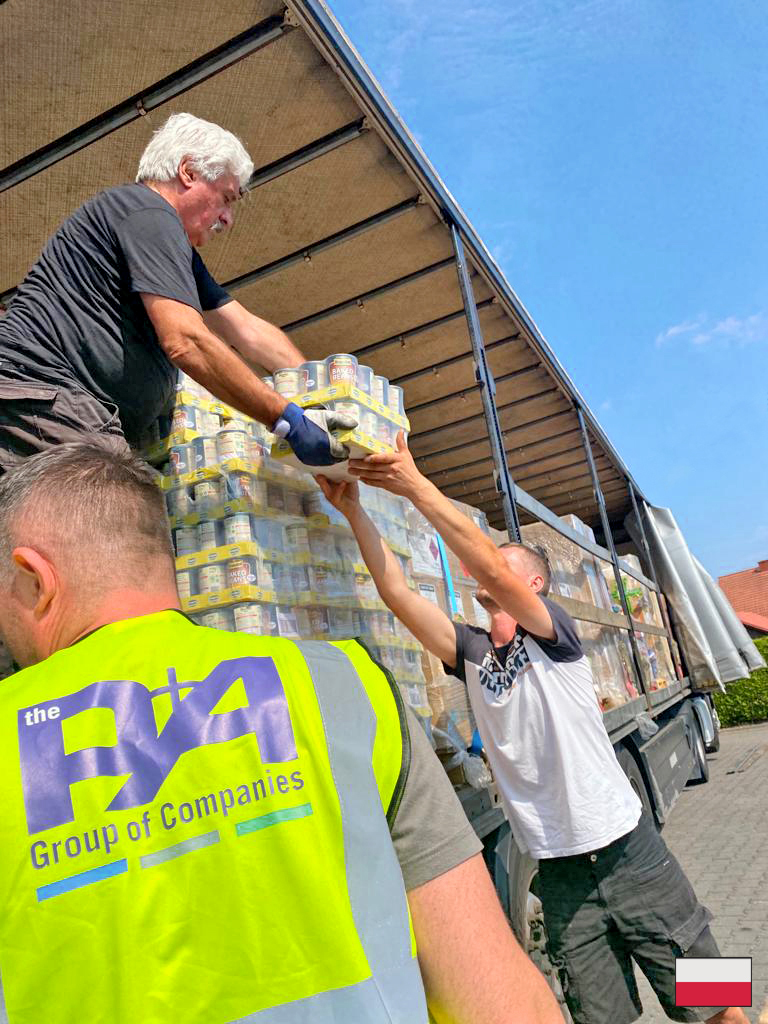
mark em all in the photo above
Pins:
pixel 214 827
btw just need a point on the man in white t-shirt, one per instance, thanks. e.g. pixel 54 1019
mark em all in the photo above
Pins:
pixel 612 892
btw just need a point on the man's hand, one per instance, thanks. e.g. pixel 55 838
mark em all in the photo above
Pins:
pixel 342 494
pixel 309 434
pixel 395 472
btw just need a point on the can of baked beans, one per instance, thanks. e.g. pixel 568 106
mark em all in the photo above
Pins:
pixel 316 374
pixel 291 381
pixel 294 506
pixel 208 494
pixel 379 389
pixel 208 422
pixel 364 378
pixel 185 583
pixel 239 485
pixel 232 443
pixel 209 535
pixel 348 409
pixel 384 431
pixel 275 497
pixel 184 417
pixel 243 572
pixel 211 578
pixel 205 452
pixel 342 369
pixel 185 540
pixel 318 621
pixel 368 422
pixel 249 618
pixel 178 502
pixel 238 529
pixel 395 400
pixel 181 459
pixel 298 539
pixel 269 381
pixel 218 618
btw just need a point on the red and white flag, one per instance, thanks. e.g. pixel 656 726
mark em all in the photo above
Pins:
pixel 713 981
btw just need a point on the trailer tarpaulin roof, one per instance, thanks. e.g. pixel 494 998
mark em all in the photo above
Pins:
pixel 343 239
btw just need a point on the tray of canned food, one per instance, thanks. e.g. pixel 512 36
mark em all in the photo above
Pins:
pixel 342 384
pixel 232 494
pixel 217 539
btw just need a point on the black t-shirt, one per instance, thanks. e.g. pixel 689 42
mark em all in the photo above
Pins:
pixel 499 666
pixel 78 316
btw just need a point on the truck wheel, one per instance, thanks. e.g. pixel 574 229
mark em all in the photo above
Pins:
pixel 700 764
pixel 527 919
pixel 631 769
pixel 714 746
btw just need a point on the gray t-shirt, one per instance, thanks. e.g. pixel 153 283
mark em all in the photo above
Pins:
pixel 430 833
pixel 78 317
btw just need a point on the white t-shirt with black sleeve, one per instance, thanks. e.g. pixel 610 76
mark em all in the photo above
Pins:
pixel 560 783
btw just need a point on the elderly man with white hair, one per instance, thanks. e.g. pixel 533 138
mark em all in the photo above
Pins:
pixel 120 299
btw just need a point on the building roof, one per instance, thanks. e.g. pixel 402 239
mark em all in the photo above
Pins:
pixel 753 621
pixel 747 590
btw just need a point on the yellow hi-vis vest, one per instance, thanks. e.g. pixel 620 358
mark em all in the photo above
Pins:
pixel 194 829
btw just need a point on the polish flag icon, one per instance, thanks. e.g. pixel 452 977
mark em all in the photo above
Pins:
pixel 713 981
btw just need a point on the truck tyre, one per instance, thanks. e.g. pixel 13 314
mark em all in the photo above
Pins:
pixel 631 769
pixel 714 746
pixel 700 764
pixel 525 915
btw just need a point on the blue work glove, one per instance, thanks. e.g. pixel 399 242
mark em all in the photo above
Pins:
pixel 308 432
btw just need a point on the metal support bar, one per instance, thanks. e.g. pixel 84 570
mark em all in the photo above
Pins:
pixel 504 482
pixel 309 251
pixel 612 548
pixel 192 74
pixel 358 300
pixel 308 153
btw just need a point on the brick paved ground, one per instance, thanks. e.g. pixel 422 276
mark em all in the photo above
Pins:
pixel 719 833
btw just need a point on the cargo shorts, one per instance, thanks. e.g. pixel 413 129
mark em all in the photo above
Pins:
pixel 37 415
pixel 627 903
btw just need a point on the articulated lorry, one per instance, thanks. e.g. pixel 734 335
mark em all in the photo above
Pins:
pixel 351 242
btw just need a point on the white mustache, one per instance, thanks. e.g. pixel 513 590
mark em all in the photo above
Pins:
pixel 218 226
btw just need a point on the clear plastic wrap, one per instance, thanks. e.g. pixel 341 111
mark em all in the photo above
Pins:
pixel 260 550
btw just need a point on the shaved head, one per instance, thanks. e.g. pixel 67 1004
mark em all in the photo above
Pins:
pixel 84 538
pixel 535 560
pixel 97 514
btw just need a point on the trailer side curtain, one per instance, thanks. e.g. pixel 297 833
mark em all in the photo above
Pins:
pixel 713 654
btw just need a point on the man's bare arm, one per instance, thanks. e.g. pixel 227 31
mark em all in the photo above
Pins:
pixel 428 623
pixel 398 473
pixel 474 970
pixel 196 350
pixel 259 342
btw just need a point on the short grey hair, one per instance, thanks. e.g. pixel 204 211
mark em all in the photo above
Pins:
pixel 212 151
pixel 99 510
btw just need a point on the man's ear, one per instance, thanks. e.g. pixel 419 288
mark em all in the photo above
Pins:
pixel 186 174
pixel 536 583
pixel 38 583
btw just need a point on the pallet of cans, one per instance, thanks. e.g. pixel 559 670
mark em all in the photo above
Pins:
pixel 259 549
pixel 343 385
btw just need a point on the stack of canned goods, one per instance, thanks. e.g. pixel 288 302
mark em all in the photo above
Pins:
pixel 260 549
pixel 340 369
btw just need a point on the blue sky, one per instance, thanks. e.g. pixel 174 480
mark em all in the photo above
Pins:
pixel 613 155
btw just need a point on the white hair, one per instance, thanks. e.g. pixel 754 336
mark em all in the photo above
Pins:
pixel 211 150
